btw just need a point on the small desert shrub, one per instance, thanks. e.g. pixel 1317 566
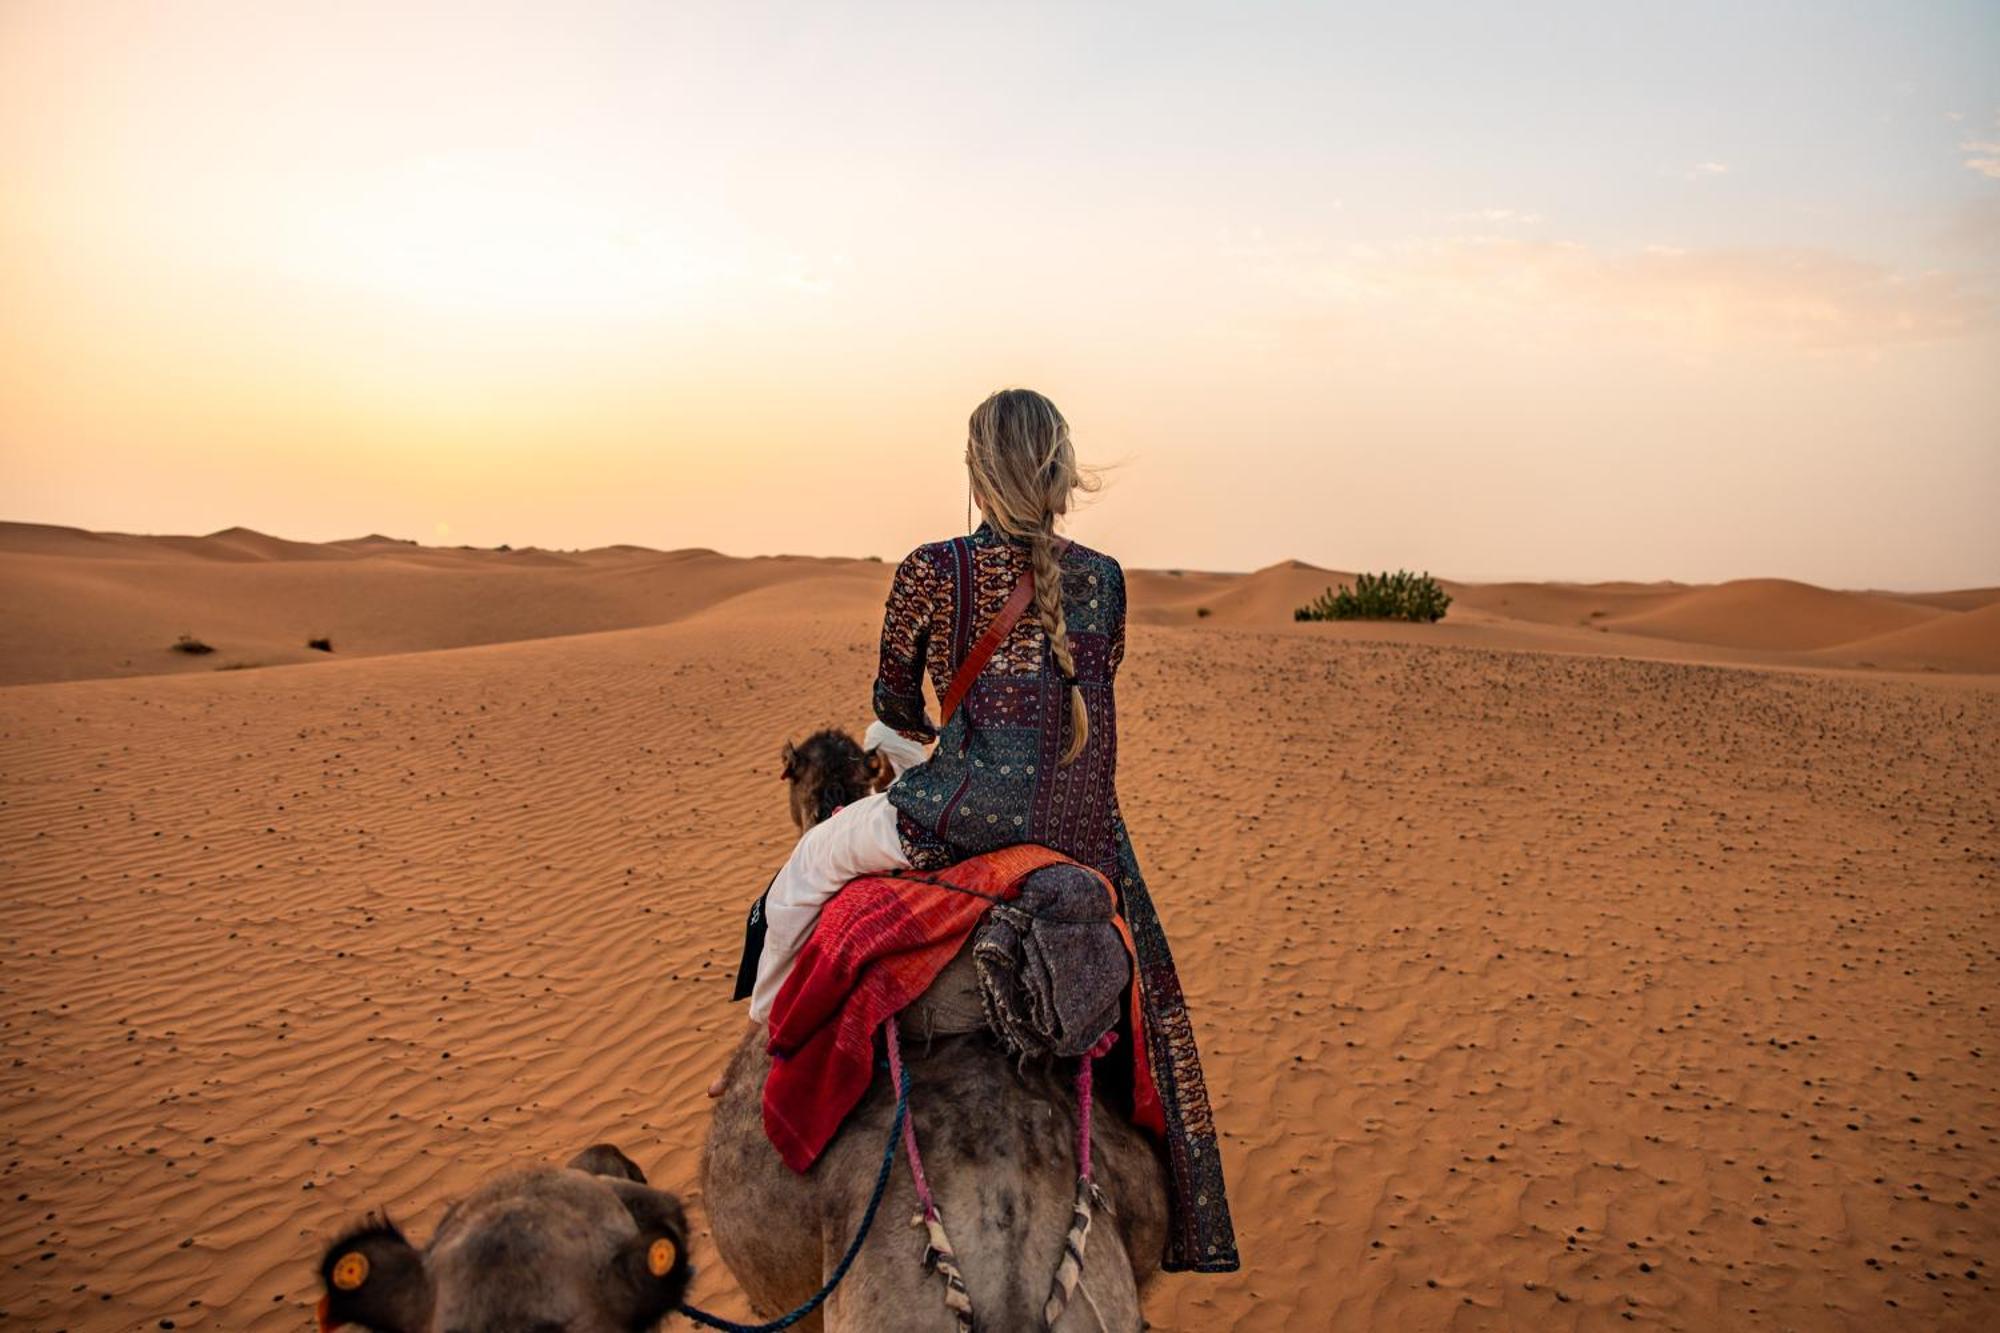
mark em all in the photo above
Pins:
pixel 193 647
pixel 1203 612
pixel 324 645
pixel 1398 596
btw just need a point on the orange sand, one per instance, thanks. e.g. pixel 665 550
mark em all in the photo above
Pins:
pixel 1547 976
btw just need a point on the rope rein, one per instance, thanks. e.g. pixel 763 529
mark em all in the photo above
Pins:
pixel 818 1298
pixel 939 1257
pixel 1083 1078
pixel 1070 1268
pixel 937 881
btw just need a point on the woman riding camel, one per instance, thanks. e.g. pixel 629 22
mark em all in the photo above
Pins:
pixel 1029 757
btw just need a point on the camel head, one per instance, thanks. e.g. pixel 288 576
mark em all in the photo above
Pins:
pixel 586 1248
pixel 827 770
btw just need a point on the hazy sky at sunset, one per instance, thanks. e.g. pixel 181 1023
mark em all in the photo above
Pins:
pixel 1552 290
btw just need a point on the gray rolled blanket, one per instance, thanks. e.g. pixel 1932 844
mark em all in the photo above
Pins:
pixel 1052 966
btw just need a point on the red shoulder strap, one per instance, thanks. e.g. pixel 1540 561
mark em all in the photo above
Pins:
pixel 989 643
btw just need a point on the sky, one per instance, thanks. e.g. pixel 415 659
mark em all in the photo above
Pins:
pixel 1581 291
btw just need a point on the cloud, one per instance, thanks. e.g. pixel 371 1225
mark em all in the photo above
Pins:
pixel 1699 171
pixel 1804 297
pixel 1798 297
pixel 1985 157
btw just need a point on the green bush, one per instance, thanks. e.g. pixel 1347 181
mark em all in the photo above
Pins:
pixel 1398 596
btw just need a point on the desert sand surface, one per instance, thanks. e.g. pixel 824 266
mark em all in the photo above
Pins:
pixel 1555 966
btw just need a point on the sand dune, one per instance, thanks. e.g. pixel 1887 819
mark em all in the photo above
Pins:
pixel 257 546
pixel 78 605
pixel 1173 597
pixel 1963 599
pixel 81 605
pixel 1266 597
pixel 1535 990
pixel 1569 604
pixel 1775 614
pixel 1962 641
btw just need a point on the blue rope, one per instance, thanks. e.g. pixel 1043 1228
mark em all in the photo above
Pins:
pixel 818 1299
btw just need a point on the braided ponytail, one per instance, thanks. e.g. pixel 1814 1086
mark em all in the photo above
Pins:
pixel 1024 470
pixel 1049 610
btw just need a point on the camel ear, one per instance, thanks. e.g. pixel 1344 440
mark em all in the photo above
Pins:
pixel 602 1159
pixel 374 1279
pixel 790 755
pixel 880 772
pixel 651 1272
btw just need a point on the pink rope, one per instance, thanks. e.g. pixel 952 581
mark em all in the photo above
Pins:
pixel 1103 1046
pixel 925 1199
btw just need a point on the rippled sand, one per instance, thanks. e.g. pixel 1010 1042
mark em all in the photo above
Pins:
pixel 1537 988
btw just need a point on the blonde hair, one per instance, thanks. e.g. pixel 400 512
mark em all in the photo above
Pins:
pixel 1024 471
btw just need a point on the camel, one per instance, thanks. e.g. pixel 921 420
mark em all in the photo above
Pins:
pixel 828 769
pixel 591 1248
pixel 586 1248
pixel 999 1145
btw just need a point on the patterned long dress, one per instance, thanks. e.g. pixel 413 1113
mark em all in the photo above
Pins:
pixel 995 778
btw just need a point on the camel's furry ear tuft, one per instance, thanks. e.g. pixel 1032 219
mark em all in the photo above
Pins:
pixel 603 1159
pixel 790 756
pixel 373 1224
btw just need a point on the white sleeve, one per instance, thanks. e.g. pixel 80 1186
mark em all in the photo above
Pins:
pixel 790 909
pixel 902 751
pixel 860 840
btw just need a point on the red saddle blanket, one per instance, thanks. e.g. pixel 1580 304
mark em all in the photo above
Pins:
pixel 878 945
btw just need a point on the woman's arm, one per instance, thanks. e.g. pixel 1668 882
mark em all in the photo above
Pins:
pixel 906 633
